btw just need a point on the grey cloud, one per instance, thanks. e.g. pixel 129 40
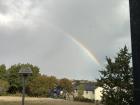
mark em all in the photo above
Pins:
pixel 98 25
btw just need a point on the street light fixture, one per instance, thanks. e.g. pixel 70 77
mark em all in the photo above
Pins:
pixel 24 72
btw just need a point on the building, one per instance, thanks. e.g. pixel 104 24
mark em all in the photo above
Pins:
pixel 98 93
pixel 84 89
pixel 89 91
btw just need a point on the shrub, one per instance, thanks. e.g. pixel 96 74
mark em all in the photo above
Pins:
pixel 82 99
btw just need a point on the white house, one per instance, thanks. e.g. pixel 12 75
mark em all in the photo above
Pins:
pixel 98 93
pixel 88 94
pixel 88 90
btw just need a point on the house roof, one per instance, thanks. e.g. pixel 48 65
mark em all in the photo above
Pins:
pixel 89 86
pixel 86 86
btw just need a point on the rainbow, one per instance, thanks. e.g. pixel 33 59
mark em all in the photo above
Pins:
pixel 89 54
pixel 78 43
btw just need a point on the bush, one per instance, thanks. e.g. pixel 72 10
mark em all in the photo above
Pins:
pixel 82 99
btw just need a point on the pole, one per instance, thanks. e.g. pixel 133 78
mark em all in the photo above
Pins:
pixel 135 37
pixel 23 89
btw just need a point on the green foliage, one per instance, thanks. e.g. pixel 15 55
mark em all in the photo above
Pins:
pixel 40 85
pixel 2 72
pixel 36 84
pixel 66 84
pixel 82 99
pixel 80 90
pixel 4 85
pixel 52 82
pixel 117 80
pixel 14 78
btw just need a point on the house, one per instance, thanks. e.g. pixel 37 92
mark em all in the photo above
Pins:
pixel 89 91
pixel 98 93
pixel 85 89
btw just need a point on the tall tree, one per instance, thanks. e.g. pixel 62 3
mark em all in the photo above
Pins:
pixel 41 85
pixel 117 80
pixel 52 82
pixel 14 78
pixel 66 84
pixel 38 86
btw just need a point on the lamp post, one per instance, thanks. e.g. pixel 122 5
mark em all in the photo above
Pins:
pixel 24 72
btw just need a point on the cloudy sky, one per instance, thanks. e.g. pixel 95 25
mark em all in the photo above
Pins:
pixel 65 38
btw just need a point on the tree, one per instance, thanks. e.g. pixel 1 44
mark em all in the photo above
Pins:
pixel 117 80
pixel 3 72
pixel 66 84
pixel 14 78
pixel 41 85
pixel 4 85
pixel 38 86
pixel 52 82
pixel 80 89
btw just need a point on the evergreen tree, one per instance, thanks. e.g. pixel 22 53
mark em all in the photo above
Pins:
pixel 116 79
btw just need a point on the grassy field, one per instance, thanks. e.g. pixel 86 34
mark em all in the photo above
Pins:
pixel 9 100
